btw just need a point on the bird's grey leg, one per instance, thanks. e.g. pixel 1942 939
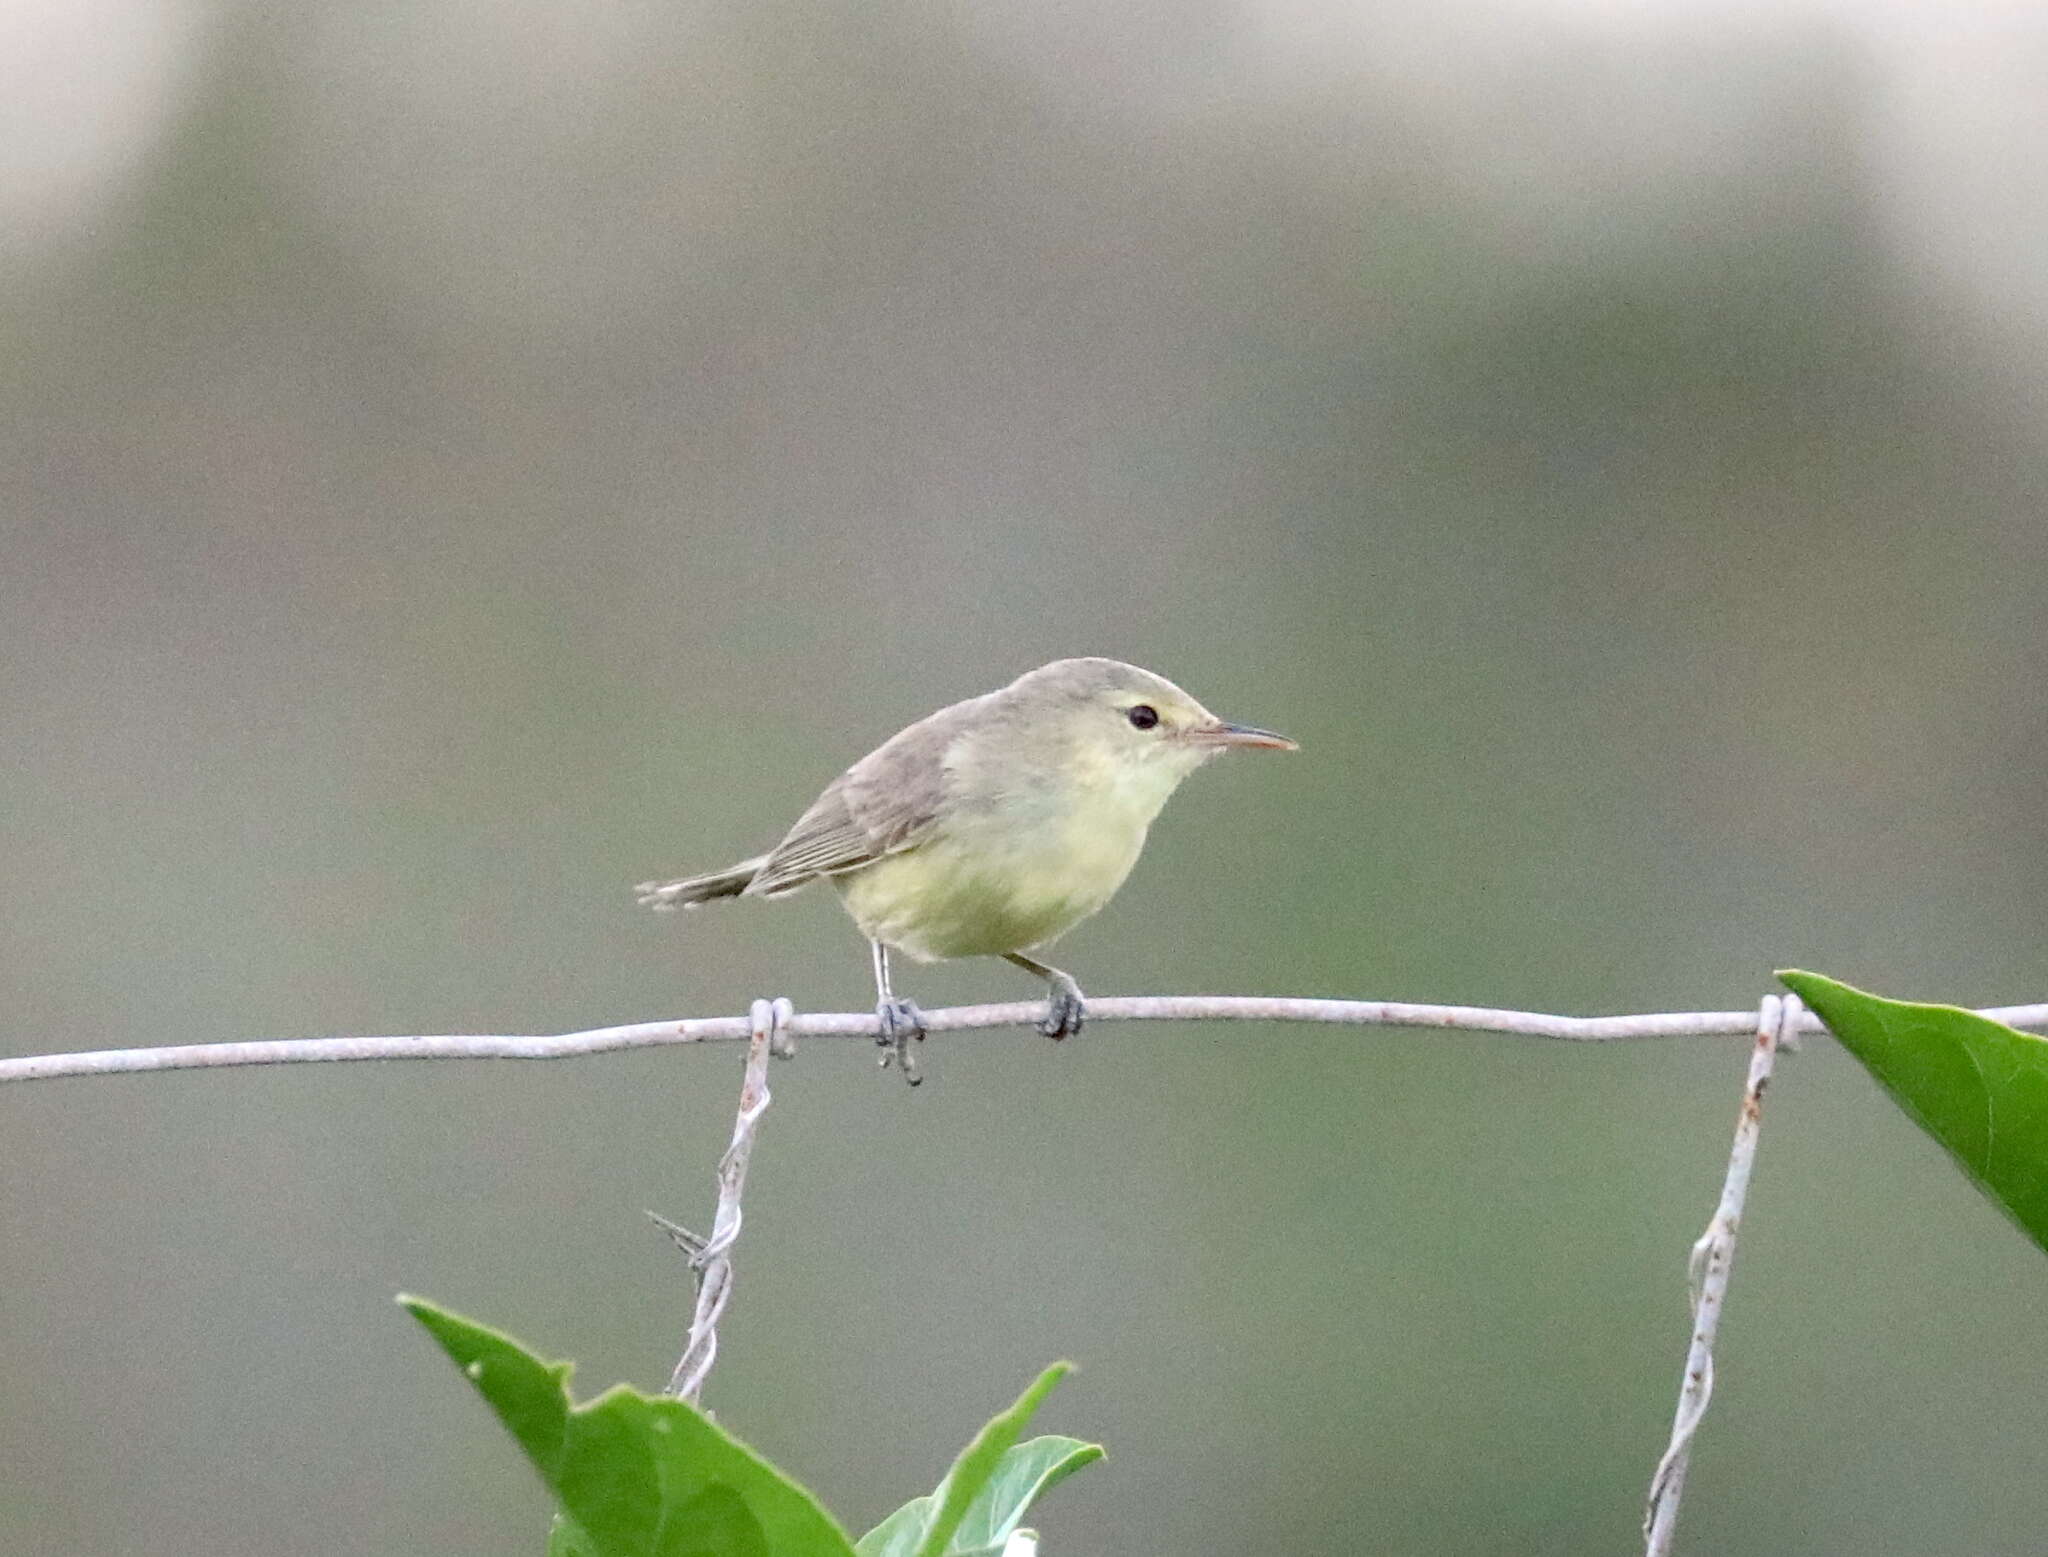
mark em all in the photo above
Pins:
pixel 901 1020
pixel 1064 1007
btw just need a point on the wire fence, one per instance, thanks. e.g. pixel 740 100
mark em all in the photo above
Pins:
pixel 772 1026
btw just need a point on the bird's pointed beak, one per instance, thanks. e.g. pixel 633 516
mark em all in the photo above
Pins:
pixel 1232 736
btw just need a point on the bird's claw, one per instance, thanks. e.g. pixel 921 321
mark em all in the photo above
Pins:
pixel 901 1022
pixel 1065 1010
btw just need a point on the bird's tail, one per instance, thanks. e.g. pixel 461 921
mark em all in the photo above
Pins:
pixel 692 890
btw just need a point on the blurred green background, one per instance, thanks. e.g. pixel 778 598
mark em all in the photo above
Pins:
pixel 456 462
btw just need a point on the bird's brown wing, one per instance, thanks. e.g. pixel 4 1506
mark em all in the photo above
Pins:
pixel 883 804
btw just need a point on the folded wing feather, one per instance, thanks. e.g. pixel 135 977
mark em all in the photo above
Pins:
pixel 885 803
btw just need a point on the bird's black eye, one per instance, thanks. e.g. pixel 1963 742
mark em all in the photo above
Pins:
pixel 1142 716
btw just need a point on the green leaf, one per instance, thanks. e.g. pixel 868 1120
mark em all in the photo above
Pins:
pixel 1023 1476
pixel 976 1466
pixel 990 1487
pixel 566 1538
pixel 636 1475
pixel 902 1533
pixel 1975 1085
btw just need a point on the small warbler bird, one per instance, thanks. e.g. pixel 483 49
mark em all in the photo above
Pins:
pixel 991 828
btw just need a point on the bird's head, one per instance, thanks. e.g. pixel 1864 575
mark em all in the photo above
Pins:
pixel 1119 722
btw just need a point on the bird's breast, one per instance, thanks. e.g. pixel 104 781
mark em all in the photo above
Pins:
pixel 998 881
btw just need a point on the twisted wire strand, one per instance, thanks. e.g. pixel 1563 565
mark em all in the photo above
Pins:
pixel 711 1259
pixel 1712 1259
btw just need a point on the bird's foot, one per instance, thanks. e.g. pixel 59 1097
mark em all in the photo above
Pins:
pixel 901 1022
pixel 1065 1009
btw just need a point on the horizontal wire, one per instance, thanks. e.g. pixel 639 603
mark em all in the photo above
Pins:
pixel 953 1019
